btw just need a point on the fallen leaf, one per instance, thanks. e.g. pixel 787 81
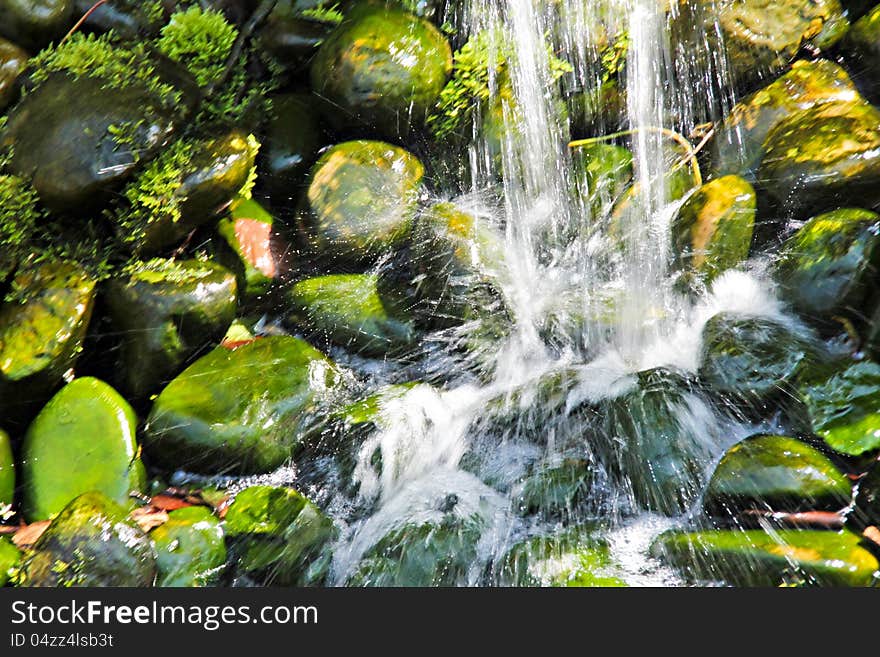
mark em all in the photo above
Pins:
pixel 170 503
pixel 27 535
pixel 148 517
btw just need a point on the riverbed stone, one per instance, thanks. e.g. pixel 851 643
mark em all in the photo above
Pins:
pixel 83 440
pixel 293 139
pixel 91 542
pixel 190 548
pixel 242 410
pixel 13 61
pixel 35 24
pixel 555 489
pixel 862 46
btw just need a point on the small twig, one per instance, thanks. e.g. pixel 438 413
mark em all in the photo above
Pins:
pixel 823 519
pixel 261 13
pixel 82 20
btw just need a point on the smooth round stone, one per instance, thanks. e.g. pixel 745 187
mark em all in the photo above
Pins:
pixel 126 18
pixel 777 473
pixel 13 61
pixel 7 470
pixel 190 548
pixel 83 440
pixel 34 23
pixel 91 543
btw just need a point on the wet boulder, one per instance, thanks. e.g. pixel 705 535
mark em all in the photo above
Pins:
pixel 91 542
pixel 77 143
pixel 845 409
pixel 382 68
pixel 828 267
pixel 293 32
pixel 242 410
pixel 13 61
pixel 756 558
pixel 35 23
pixel 7 470
pixel 10 558
pixel 279 535
pixel 126 18
pixel 862 46
pixel 776 473
pixel 255 251
pixel 166 311
pixel 190 548
pixel 361 201
pixel 556 489
pixel 712 231
pixel 83 440
pixel 293 139
pixel 577 557
pixel 346 309
pixel 867 508
pixel 41 333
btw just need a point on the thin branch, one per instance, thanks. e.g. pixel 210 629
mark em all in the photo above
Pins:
pixel 82 20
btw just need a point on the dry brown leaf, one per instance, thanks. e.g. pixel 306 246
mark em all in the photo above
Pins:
pixel 8 529
pixel 170 503
pixel 27 535
pixel 148 517
pixel 872 533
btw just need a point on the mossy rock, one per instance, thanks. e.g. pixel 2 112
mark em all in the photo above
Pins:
pixel 756 558
pixel 190 548
pixel 255 250
pixel 91 542
pixel 13 61
pixel 347 310
pixel 738 145
pixel 7 470
pixel 384 68
pixel 777 473
pixel 828 267
pixel 845 409
pixel 823 158
pixel 751 360
pixel 243 410
pixel 293 140
pixel 166 311
pixel 280 535
pixel 577 557
pixel 712 231
pixel 556 490
pixel 83 440
pixel 41 335
pixel 648 444
pixel 35 24
pixel 10 558
pixel 361 201
pixel 77 143
pixel 603 172
pixel 867 508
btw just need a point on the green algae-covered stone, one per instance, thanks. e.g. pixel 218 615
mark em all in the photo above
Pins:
pixel 776 472
pixel 824 157
pixel 383 67
pixel 293 139
pixel 13 61
pixel 7 470
pixel 34 23
pixel 256 251
pixel 346 309
pixel 555 490
pixel 92 542
pixel 603 172
pixel 756 558
pixel 577 557
pixel 280 533
pixel 739 144
pixel 83 440
pixel 241 410
pixel 845 409
pixel 166 311
pixel 41 336
pixel 361 200
pixel 828 266
pixel 10 558
pixel 190 548
pixel 712 231
pixel 750 359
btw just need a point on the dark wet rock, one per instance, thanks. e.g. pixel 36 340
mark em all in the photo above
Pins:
pixel 13 61
pixel 83 440
pixel 92 542
pixel 828 267
pixel 10 558
pixel 824 158
pixel 190 548
pixel 280 535
pixel 867 509
pixel 739 144
pixel 7 470
pixel 256 252
pixel 777 473
pixel 294 31
pixel 756 558
pixel 383 67
pixel 78 143
pixel 166 311
pixel 42 334
pixel 361 200
pixel 556 490
pixel 346 309
pixel 34 23
pixel 600 110
pixel 293 139
pixel 845 409
pixel 862 46
pixel 576 557
pixel 243 410
pixel 712 231
pixel 127 18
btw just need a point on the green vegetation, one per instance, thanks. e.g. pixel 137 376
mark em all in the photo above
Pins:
pixel 201 40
